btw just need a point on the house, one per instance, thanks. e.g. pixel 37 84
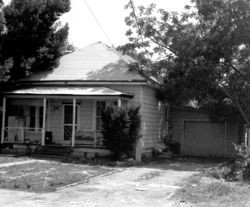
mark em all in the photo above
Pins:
pixel 62 107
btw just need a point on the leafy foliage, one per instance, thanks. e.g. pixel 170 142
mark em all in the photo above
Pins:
pixel 237 169
pixel 121 130
pixel 33 39
pixel 202 54
pixel 241 166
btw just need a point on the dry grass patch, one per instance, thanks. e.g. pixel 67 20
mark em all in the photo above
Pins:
pixel 47 176
pixel 200 190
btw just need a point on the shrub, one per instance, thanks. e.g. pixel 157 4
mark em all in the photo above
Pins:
pixel 238 169
pixel 241 165
pixel 121 130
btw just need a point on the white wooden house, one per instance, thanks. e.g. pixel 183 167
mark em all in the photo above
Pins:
pixel 64 105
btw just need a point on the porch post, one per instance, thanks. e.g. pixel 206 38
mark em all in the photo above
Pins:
pixel 3 119
pixel 119 103
pixel 74 123
pixel 44 121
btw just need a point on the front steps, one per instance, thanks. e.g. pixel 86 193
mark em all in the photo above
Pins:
pixel 53 151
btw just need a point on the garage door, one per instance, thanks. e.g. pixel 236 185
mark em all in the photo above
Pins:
pixel 202 138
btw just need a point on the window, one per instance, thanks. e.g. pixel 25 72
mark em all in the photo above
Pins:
pixel 16 110
pixel 100 106
pixel 40 117
pixel 124 104
pixel 32 117
pixel 35 117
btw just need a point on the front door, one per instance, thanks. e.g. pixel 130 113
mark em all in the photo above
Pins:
pixel 68 122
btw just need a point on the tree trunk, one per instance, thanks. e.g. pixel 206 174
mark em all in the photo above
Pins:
pixel 247 135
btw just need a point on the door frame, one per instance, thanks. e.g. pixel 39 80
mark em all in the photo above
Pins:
pixel 67 142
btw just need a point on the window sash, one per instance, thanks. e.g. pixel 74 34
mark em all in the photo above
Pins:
pixel 100 106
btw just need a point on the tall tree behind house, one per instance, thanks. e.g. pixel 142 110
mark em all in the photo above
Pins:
pixel 33 39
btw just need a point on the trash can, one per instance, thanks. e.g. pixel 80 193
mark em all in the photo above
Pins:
pixel 48 137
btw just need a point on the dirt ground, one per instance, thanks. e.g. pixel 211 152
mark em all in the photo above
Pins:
pixel 149 185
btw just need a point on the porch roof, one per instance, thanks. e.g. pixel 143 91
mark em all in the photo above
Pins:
pixel 68 91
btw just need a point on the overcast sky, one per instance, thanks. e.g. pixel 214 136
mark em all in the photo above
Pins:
pixel 110 13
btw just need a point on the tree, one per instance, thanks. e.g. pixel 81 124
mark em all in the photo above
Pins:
pixel 5 66
pixel 33 39
pixel 202 54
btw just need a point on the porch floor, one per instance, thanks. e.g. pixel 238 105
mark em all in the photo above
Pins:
pixel 54 149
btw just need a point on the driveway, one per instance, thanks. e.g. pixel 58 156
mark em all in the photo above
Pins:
pixel 150 185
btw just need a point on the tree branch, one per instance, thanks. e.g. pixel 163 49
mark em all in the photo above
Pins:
pixel 235 100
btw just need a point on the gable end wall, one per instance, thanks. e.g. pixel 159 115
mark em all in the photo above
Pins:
pixel 153 120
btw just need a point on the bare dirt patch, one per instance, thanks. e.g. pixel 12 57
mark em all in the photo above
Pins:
pixel 47 176
pixel 200 190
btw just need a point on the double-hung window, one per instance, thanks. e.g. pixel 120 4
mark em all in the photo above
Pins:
pixel 35 118
pixel 100 106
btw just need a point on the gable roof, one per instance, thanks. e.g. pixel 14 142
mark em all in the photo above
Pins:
pixel 96 62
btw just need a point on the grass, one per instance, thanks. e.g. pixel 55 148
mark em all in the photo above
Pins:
pixel 202 191
pixel 47 176
pixel 8 159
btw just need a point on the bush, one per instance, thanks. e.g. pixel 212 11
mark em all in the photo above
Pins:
pixel 238 169
pixel 241 165
pixel 121 130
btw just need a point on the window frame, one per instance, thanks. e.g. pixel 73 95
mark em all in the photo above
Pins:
pixel 99 116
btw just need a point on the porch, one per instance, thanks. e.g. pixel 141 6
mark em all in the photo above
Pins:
pixel 58 116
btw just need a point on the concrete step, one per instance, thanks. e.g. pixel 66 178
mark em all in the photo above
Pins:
pixel 54 150
pixel 48 157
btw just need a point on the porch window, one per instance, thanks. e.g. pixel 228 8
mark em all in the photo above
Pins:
pixel 100 106
pixel 32 123
pixel 124 104
pixel 36 117
pixel 41 117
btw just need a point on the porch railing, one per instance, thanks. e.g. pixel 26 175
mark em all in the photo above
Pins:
pixel 22 135
pixel 89 138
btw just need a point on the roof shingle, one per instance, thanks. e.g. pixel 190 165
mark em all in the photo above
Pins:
pixel 96 62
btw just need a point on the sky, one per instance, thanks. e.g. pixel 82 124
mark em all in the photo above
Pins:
pixel 111 14
pixel 84 30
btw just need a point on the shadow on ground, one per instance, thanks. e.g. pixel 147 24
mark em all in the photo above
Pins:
pixel 174 163
pixel 185 163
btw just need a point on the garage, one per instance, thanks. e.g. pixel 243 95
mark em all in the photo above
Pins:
pixel 203 138
pixel 199 136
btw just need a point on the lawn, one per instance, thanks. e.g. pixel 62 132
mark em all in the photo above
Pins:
pixel 203 191
pixel 47 176
pixel 8 159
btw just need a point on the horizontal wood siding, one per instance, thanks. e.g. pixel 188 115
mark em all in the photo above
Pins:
pixel 152 118
pixel 56 117
pixel 176 121
pixel 86 115
pixel 56 120
pixel 133 90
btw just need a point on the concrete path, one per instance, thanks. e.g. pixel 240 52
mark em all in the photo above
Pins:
pixel 150 185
